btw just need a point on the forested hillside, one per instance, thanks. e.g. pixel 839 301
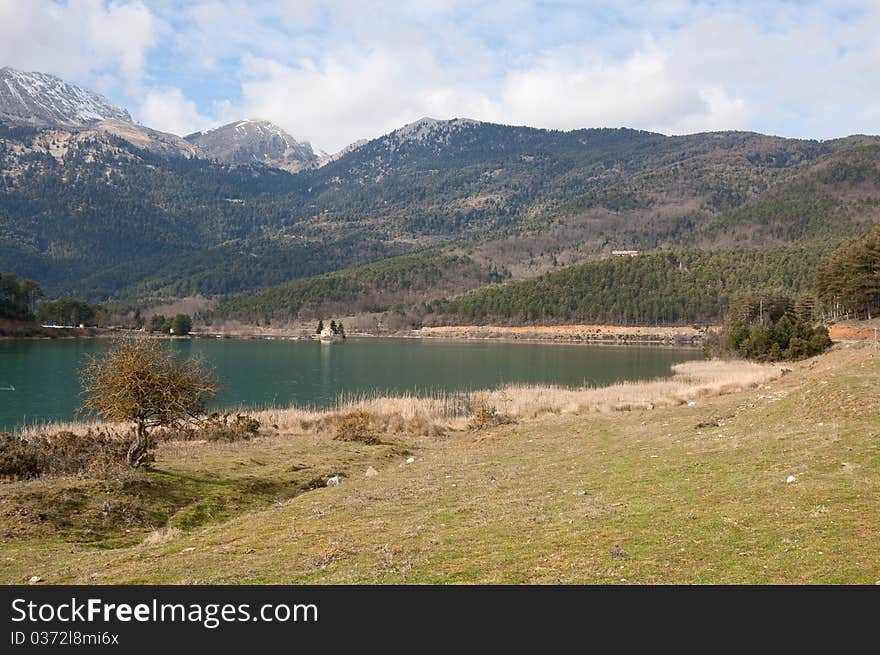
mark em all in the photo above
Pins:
pixel 377 287
pixel 837 197
pixel 675 287
pixel 104 215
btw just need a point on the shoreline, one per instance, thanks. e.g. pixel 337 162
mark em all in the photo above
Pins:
pixel 591 334
pixel 588 334
pixel 680 336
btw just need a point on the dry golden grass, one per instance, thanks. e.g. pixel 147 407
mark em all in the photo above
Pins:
pixel 162 535
pixel 33 430
pixel 692 380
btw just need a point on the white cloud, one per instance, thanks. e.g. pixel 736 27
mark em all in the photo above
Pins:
pixel 124 32
pixel 81 40
pixel 334 72
pixel 567 90
pixel 351 95
pixel 685 69
pixel 168 110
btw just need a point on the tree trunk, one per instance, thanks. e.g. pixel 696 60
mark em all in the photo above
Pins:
pixel 137 453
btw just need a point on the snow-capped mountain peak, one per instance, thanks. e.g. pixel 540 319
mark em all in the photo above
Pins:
pixel 255 141
pixel 43 100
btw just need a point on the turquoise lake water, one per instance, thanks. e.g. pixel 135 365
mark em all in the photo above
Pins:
pixel 257 373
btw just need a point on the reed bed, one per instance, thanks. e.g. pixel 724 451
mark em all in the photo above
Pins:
pixel 692 381
pixel 35 429
pixel 450 411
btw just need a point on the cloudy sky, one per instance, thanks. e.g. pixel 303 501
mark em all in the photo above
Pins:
pixel 335 72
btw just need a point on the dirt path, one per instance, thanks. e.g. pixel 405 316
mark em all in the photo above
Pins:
pixel 850 331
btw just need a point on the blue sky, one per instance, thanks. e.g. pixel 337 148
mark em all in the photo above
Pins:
pixel 335 72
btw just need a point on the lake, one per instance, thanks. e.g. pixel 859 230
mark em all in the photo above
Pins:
pixel 258 373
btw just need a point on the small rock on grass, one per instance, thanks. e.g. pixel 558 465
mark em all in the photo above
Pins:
pixel 35 579
pixel 410 460
pixel 619 552
pixel 371 472
pixel 790 479
pixel 333 482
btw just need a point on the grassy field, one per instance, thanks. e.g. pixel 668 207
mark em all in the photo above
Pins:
pixel 673 494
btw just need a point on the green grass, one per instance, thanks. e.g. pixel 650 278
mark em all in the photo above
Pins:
pixel 635 497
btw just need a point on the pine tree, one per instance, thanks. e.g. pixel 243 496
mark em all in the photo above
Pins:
pixel 849 279
pixel 805 307
pixel 320 327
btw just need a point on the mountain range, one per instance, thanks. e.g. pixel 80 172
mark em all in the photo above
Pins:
pixel 96 205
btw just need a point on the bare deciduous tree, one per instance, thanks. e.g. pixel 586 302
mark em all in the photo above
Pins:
pixel 138 381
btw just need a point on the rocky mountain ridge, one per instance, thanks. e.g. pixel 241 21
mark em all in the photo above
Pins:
pixel 43 100
pixel 254 141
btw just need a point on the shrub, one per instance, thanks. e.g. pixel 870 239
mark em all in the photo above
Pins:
pixel 486 414
pixel 95 454
pixel 358 425
pixel 820 340
pixel 181 324
pixel 18 458
pixel 783 340
pixel 224 427
pixel 158 323
pixel 768 326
